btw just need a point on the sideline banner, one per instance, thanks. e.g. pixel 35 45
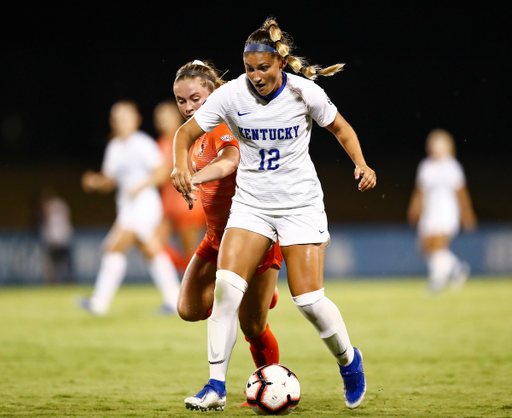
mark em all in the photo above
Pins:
pixel 355 251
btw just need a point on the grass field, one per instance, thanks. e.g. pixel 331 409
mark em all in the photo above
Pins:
pixel 448 356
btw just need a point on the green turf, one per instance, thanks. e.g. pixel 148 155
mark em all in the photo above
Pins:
pixel 449 356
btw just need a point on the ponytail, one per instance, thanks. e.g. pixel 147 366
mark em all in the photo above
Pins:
pixel 271 35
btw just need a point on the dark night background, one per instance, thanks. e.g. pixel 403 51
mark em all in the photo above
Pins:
pixel 410 67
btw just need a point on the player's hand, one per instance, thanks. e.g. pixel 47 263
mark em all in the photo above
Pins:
pixel 189 198
pixel 195 181
pixel 367 176
pixel 469 222
pixel 181 180
pixel 89 183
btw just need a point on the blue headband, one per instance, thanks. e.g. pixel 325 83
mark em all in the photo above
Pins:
pixel 259 48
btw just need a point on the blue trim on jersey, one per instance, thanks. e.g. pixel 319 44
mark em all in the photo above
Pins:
pixel 271 96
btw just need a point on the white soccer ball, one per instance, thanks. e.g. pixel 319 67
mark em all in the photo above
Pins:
pixel 273 390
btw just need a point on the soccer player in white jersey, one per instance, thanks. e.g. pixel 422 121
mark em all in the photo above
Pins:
pixel 440 202
pixel 135 166
pixel 278 196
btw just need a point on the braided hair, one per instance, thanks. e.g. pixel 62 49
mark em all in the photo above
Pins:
pixel 270 34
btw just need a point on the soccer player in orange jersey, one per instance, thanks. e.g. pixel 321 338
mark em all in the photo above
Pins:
pixel 188 224
pixel 215 158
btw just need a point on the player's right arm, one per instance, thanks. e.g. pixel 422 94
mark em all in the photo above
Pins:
pixel 97 182
pixel 181 177
pixel 222 166
pixel 415 207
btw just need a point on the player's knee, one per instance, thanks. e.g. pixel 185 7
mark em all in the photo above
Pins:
pixel 253 328
pixel 190 312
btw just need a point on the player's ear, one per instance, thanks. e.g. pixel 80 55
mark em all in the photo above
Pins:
pixel 282 63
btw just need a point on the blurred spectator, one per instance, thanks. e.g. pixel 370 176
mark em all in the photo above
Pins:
pixel 189 224
pixel 56 235
pixel 134 165
pixel 440 202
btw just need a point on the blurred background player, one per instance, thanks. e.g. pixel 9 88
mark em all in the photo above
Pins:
pixel 135 166
pixel 440 202
pixel 56 236
pixel 177 217
pixel 215 157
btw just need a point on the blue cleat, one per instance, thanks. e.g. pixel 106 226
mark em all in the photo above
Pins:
pixel 354 381
pixel 212 396
pixel 86 305
pixel 166 310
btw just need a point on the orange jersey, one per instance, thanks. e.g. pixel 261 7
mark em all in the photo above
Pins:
pixel 216 195
pixel 174 205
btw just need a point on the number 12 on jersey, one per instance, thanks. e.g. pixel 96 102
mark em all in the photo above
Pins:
pixel 272 162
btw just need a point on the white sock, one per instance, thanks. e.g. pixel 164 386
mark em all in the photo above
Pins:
pixel 223 323
pixel 110 277
pixel 165 276
pixel 441 264
pixel 326 318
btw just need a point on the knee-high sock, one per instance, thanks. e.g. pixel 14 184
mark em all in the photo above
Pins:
pixel 165 276
pixel 223 323
pixel 326 318
pixel 441 264
pixel 110 277
pixel 264 348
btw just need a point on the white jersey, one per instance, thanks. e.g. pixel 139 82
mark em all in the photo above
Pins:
pixel 130 162
pixel 276 175
pixel 439 180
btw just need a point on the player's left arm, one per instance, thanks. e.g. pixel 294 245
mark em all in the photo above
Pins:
pixel 347 137
pixel 223 165
pixel 467 214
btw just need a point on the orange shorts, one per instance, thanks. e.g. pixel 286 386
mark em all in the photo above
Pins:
pixel 274 256
pixel 176 209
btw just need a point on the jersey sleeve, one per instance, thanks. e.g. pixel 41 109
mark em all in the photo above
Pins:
pixel 222 137
pixel 420 175
pixel 107 167
pixel 212 112
pixel 321 109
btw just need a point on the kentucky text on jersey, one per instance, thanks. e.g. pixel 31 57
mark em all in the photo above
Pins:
pixel 271 134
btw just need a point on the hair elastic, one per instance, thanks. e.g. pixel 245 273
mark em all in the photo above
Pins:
pixel 272 24
pixel 196 74
pixel 259 48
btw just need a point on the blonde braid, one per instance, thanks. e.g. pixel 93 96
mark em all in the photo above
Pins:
pixel 283 45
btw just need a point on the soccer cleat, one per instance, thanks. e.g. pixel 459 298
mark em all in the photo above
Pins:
pixel 86 305
pixel 245 404
pixel 275 296
pixel 354 380
pixel 166 309
pixel 458 281
pixel 212 396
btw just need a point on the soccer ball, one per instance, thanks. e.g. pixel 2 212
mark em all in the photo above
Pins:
pixel 273 390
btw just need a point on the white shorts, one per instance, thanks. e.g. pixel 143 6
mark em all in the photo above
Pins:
pixel 141 215
pixel 431 227
pixel 309 228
